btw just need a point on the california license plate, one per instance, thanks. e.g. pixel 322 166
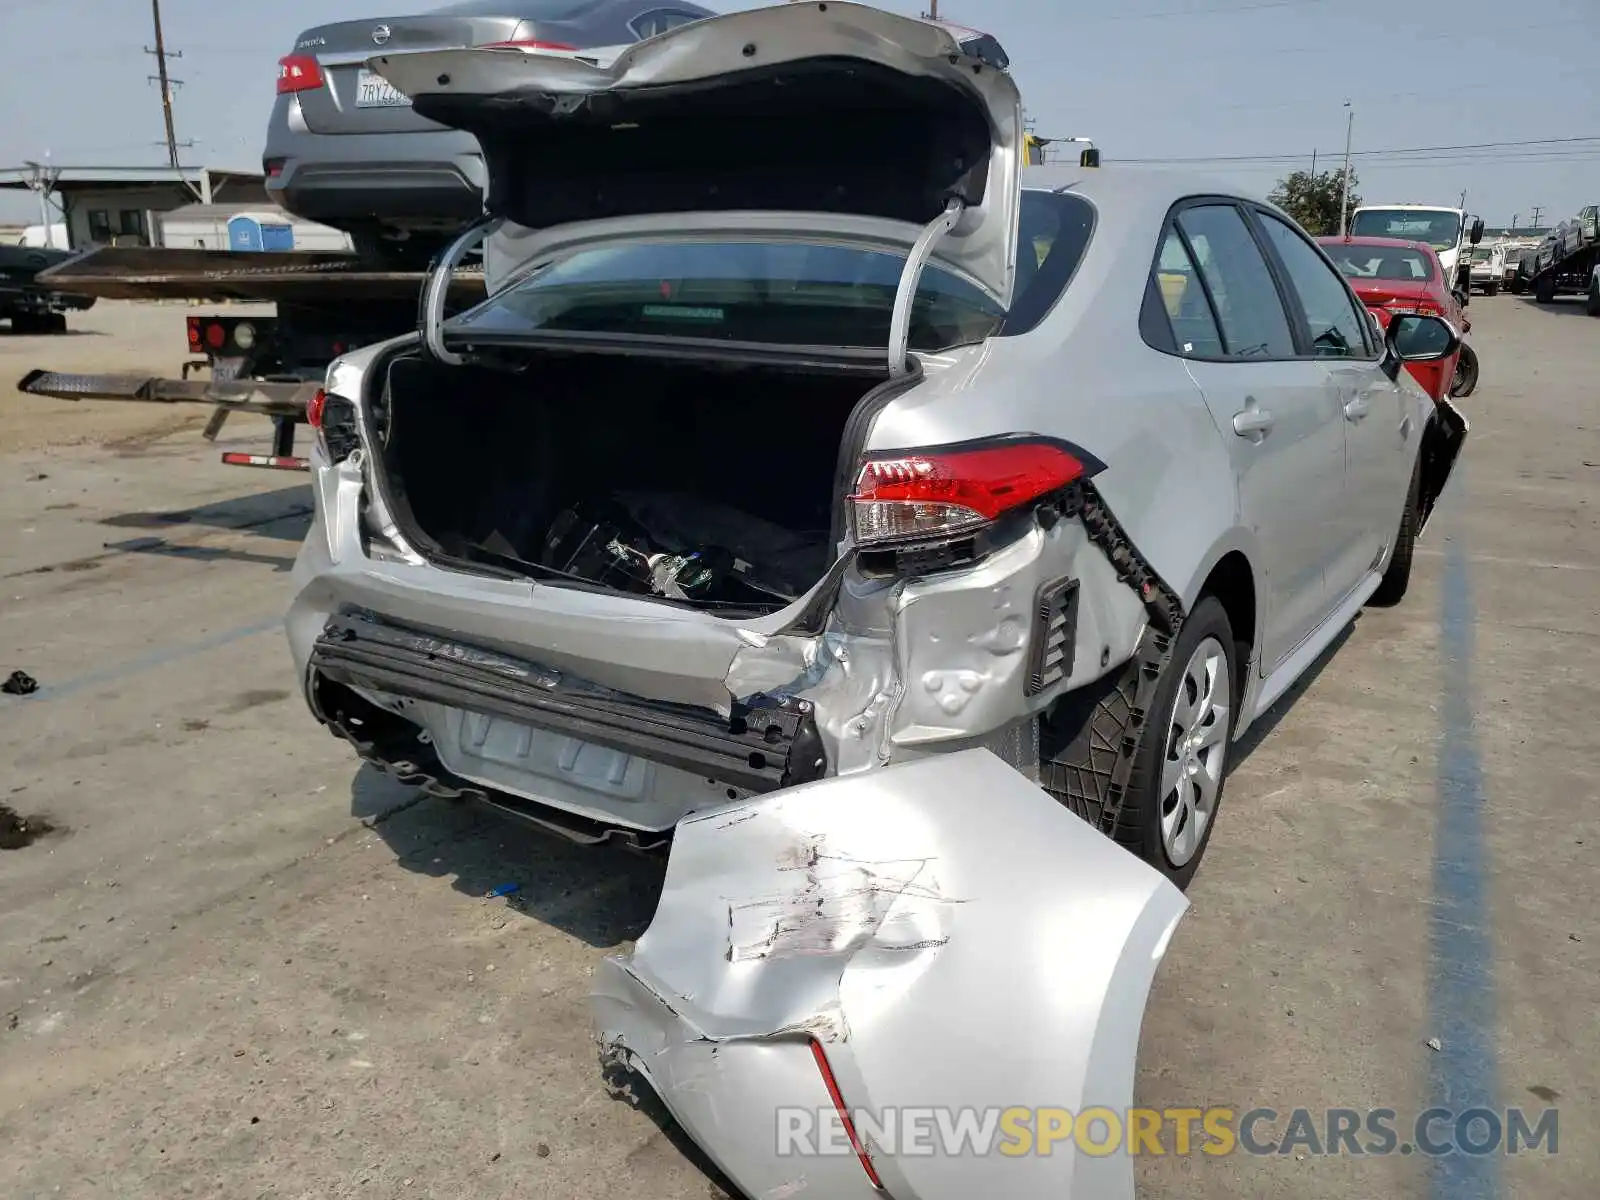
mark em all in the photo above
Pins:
pixel 374 91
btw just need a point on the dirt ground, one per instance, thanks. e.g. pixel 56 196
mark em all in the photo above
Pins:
pixel 238 965
pixel 113 337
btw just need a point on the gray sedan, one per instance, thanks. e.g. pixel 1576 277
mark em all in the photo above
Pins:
pixel 345 148
pixel 903 542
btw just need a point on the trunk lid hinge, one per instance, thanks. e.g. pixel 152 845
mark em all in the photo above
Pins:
pixel 437 287
pixel 910 276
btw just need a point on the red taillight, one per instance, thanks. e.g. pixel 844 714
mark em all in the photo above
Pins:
pixel 315 407
pixel 941 493
pixel 834 1094
pixel 195 344
pixel 216 336
pixel 298 73
pixel 527 44
pixel 1426 308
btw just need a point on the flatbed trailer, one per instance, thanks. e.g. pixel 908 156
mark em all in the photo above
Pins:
pixel 326 304
pixel 1567 275
pixel 30 305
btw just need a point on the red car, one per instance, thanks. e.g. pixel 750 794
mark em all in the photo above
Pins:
pixel 1392 277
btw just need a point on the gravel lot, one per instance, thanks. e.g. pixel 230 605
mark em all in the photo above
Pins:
pixel 242 966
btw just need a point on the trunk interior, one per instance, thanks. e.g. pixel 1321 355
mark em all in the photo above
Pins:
pixel 708 484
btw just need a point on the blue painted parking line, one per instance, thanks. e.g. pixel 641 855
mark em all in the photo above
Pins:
pixel 1462 1072
pixel 146 662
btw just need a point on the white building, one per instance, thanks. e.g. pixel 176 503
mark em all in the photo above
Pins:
pixel 244 227
pixel 118 206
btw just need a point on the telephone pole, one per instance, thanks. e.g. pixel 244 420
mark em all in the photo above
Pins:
pixel 167 83
pixel 1537 209
pixel 1344 191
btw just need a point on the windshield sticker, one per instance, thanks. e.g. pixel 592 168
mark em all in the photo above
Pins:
pixel 683 312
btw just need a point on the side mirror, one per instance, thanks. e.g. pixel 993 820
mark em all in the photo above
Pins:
pixel 1477 230
pixel 1089 158
pixel 1414 337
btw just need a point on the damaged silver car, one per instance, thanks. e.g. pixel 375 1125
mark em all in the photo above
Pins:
pixel 799 438
pixel 887 533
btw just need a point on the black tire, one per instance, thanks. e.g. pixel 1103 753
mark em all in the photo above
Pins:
pixel 1544 289
pixel 1392 588
pixel 1465 381
pixel 1491 289
pixel 1082 731
pixel 1517 287
pixel 1592 304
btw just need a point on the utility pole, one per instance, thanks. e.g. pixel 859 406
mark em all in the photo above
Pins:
pixel 1514 218
pixel 1463 203
pixel 167 84
pixel 1537 209
pixel 1344 192
pixel 1313 164
pixel 933 10
pixel 42 179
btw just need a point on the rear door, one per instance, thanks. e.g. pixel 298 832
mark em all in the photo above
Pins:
pixel 1373 409
pixel 1274 408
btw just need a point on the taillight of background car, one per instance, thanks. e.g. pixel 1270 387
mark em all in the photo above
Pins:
pixel 298 73
pixel 526 44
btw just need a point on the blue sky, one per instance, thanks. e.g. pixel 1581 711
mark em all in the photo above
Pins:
pixel 1152 79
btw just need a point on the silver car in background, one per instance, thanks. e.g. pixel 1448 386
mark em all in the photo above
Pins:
pixel 345 148
pixel 874 525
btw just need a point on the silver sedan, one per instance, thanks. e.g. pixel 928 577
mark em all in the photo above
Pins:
pixel 903 542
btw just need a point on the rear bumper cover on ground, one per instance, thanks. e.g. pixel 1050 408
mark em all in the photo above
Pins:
pixel 953 939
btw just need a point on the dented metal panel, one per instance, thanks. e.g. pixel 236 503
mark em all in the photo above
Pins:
pixel 888 916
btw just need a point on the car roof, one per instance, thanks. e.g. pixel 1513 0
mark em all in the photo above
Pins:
pixel 1132 194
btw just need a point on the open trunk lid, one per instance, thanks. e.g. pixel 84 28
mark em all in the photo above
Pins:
pixel 831 108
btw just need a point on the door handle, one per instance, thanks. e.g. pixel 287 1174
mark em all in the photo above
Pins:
pixel 1356 408
pixel 1253 423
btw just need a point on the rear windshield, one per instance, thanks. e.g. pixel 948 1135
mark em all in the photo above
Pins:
pixel 1381 262
pixel 787 292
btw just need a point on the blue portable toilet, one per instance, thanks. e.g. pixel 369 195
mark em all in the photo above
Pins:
pixel 277 237
pixel 244 233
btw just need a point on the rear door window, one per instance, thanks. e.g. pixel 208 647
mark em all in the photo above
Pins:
pixel 1183 296
pixel 1248 306
pixel 1336 326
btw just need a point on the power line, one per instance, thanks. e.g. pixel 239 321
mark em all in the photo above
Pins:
pixel 1195 12
pixel 1400 150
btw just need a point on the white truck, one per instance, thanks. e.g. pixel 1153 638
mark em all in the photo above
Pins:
pixel 1450 231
